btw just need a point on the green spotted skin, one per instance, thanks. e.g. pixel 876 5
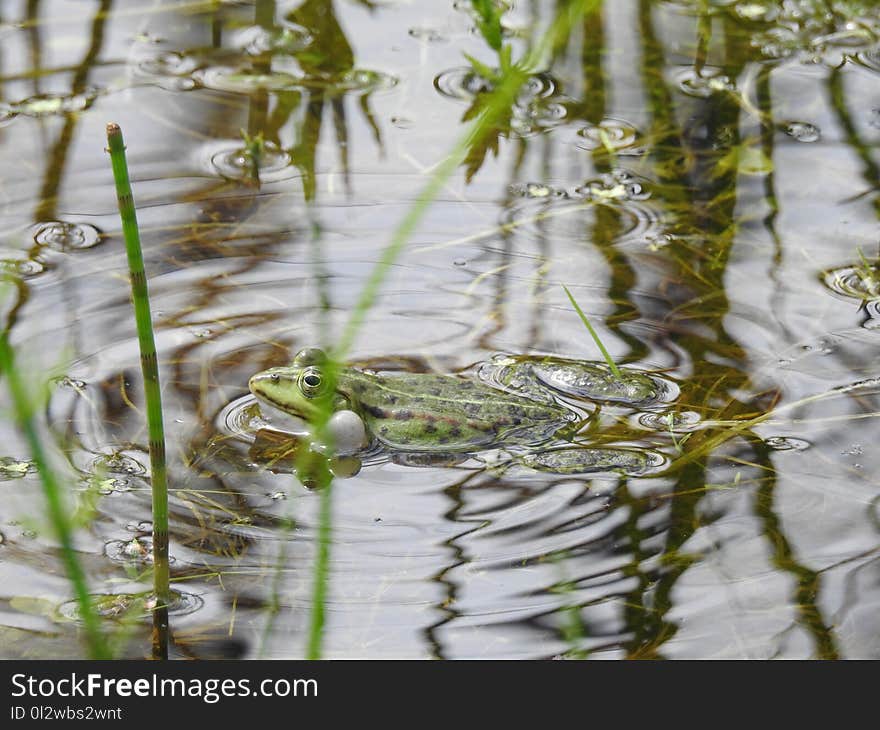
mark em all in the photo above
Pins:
pixel 418 411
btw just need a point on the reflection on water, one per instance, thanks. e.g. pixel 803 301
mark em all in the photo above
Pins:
pixel 702 176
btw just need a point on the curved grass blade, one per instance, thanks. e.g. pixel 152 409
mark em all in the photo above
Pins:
pixel 593 334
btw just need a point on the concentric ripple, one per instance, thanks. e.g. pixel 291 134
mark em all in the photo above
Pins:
pixel 241 418
pixel 462 83
pixel 539 103
pixel 44 105
pixel 357 80
pixel 136 551
pixel 244 80
pixel 613 134
pixel 672 421
pixel 65 236
pixel 703 84
pixel 549 211
pixel 853 282
pixel 21 268
pixel 234 162
pixel 618 185
pixel 123 605
pixel 287 38
pixel 170 70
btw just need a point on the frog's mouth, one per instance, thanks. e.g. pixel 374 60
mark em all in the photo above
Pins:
pixel 281 419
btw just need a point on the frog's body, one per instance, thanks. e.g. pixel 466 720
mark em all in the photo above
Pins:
pixel 417 411
pixel 427 412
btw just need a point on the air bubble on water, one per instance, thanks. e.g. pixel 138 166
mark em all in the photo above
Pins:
pixel 705 83
pixel 118 463
pixel 618 185
pixel 233 161
pixel 787 443
pixel 21 268
pixel 136 551
pixel 65 381
pixel 66 236
pixel 802 131
pixel 284 39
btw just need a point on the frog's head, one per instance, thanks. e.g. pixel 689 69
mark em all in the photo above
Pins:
pixel 297 389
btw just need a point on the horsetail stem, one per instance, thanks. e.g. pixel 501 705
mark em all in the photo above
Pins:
pixel 58 516
pixel 152 395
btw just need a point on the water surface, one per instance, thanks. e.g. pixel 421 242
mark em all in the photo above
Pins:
pixel 704 178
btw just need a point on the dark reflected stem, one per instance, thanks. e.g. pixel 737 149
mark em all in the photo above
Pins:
pixel 870 169
pixel 808 582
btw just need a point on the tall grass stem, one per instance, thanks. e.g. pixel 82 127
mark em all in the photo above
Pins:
pixel 152 393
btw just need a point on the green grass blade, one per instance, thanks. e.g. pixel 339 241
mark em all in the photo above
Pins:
pixel 152 393
pixel 59 516
pixel 595 336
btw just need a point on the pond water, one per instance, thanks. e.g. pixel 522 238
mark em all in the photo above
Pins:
pixel 704 177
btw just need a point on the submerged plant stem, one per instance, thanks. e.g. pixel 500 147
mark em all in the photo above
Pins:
pixel 152 394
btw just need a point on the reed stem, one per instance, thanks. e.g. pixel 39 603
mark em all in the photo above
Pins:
pixel 152 394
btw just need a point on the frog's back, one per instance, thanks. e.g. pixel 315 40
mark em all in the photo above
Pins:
pixel 430 412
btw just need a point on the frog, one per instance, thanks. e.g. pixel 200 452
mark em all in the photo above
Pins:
pixel 412 412
pixel 512 402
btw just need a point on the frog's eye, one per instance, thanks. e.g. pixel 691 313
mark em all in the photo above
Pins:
pixel 311 382
pixel 309 356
